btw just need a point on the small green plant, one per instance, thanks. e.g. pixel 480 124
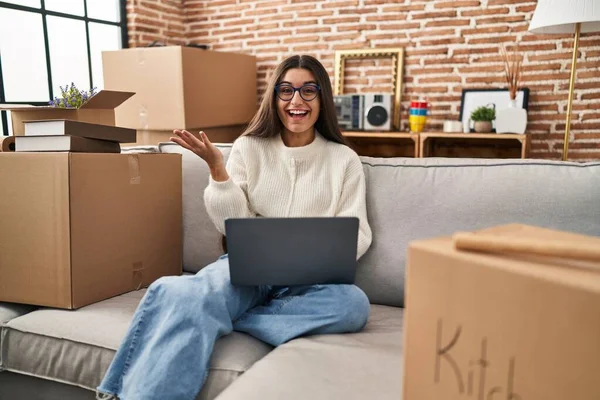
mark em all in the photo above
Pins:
pixel 72 97
pixel 483 114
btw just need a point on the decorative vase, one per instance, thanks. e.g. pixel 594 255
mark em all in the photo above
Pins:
pixel 512 119
pixel 482 126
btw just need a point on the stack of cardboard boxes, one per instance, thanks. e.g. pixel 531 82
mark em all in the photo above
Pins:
pixel 81 227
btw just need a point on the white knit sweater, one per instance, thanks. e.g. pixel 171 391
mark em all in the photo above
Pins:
pixel 267 178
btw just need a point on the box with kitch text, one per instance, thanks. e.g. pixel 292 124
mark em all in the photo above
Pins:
pixel 517 319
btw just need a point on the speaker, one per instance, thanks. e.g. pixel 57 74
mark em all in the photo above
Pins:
pixel 378 112
pixel 349 109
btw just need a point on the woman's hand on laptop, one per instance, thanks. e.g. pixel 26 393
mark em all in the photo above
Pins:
pixel 204 149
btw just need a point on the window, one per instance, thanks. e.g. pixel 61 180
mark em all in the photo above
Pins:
pixel 46 44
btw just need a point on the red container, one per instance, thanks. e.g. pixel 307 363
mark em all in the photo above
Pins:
pixel 419 104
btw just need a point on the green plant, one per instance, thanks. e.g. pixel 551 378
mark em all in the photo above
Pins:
pixel 72 97
pixel 483 114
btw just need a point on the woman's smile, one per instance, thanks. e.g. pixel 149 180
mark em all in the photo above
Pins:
pixel 297 114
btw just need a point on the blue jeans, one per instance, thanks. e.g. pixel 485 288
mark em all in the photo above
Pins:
pixel 166 351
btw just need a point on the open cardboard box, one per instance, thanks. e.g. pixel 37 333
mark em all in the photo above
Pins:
pixel 100 109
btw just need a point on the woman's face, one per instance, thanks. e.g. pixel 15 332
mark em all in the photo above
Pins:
pixel 298 114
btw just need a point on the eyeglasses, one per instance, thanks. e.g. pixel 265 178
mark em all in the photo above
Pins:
pixel 286 92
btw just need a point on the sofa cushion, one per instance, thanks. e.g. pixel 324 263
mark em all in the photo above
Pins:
pixel 409 199
pixel 364 365
pixel 76 347
pixel 201 240
pixel 10 311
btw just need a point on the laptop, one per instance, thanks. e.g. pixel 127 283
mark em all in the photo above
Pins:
pixel 292 251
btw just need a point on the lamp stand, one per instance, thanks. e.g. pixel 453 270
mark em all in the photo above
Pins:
pixel 571 88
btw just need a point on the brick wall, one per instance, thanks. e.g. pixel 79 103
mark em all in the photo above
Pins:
pixel 449 45
pixel 150 20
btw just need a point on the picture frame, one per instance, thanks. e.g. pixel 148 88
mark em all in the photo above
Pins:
pixel 499 98
pixel 397 56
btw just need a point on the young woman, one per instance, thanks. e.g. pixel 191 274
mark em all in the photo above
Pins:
pixel 290 162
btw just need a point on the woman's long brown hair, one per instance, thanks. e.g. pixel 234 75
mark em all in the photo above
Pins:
pixel 266 122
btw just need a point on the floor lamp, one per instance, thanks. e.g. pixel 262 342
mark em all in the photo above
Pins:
pixel 563 17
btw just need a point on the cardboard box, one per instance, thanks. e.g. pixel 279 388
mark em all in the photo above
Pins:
pixel 100 109
pixel 181 87
pixel 219 134
pixel 499 327
pixel 78 228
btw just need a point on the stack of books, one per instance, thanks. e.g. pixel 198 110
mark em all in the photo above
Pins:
pixel 72 136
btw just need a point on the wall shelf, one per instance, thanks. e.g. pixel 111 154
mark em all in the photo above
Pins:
pixel 387 135
pixel 439 144
pixel 384 144
pixel 478 145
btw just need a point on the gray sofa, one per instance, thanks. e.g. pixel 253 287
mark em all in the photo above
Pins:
pixel 55 354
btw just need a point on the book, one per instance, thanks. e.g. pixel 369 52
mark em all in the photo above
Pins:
pixel 78 128
pixel 65 143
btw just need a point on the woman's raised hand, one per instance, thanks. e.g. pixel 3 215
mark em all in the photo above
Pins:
pixel 200 146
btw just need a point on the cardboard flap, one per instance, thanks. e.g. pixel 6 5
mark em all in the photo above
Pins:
pixel 526 239
pixel 107 99
pixel 15 106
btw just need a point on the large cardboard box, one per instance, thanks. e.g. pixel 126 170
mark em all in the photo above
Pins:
pixel 78 228
pixel 100 109
pixel 181 87
pixel 498 326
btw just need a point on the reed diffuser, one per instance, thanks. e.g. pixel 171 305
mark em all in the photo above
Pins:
pixel 512 70
pixel 514 118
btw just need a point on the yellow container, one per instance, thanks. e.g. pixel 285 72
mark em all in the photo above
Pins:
pixel 417 123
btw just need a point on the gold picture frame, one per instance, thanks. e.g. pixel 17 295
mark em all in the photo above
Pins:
pixel 397 56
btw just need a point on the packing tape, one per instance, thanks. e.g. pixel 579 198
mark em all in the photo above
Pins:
pixel 134 169
pixel 143 114
pixel 141 57
pixel 137 277
pixel 8 143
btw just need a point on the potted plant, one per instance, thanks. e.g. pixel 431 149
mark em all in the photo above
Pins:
pixel 72 97
pixel 483 117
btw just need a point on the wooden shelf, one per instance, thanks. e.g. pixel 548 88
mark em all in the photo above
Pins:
pixel 488 145
pixel 495 136
pixel 439 144
pixel 384 135
pixel 384 144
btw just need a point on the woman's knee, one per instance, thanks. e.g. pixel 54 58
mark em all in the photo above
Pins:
pixel 216 272
pixel 185 292
pixel 353 307
pixel 171 286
